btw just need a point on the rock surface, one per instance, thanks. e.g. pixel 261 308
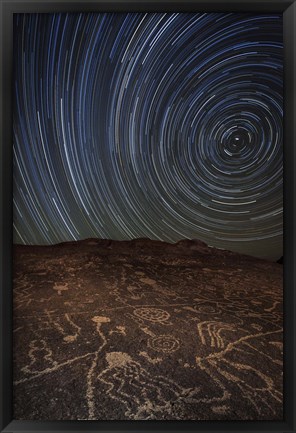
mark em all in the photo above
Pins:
pixel 118 330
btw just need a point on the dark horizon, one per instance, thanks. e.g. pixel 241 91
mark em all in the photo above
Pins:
pixel 135 240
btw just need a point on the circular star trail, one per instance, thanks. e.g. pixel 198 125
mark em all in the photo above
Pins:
pixel 158 125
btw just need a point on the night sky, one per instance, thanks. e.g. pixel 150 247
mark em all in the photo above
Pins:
pixel 157 125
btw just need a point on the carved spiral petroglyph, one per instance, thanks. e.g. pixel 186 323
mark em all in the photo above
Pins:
pixel 164 343
pixel 152 314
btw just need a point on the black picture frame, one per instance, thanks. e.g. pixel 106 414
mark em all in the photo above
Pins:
pixel 7 8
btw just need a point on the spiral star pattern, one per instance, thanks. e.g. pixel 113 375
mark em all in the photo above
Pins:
pixel 158 125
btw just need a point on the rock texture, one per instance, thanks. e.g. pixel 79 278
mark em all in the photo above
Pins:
pixel 145 330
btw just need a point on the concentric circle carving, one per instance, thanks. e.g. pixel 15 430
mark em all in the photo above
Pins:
pixel 164 343
pixel 152 314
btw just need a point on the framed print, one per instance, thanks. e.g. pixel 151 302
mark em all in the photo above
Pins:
pixel 147 224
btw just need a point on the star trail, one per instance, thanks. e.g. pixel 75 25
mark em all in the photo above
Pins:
pixel 157 125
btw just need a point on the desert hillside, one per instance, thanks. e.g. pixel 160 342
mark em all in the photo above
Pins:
pixel 146 330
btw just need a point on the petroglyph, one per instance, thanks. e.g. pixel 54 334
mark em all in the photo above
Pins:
pixel 213 330
pixel 155 315
pixel 149 359
pixel 164 343
pixel 118 330
pixel 124 376
pixel 60 288
pixel 109 330
pixel 39 351
pixel 99 320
